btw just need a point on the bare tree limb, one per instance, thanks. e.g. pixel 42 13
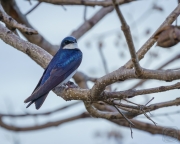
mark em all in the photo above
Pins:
pixel 33 8
pixel 42 126
pixel 12 23
pixel 161 67
pixel 88 24
pixel 139 125
pixel 85 2
pixel 156 106
pixel 125 28
pixel 107 115
pixel 13 10
pixel 40 114
pixel 165 131
pixel 131 93
pixel 43 58
pixel 97 92
pixel 100 48
pixel 150 42
pixel 102 82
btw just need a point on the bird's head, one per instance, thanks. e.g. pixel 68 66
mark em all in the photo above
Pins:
pixel 69 43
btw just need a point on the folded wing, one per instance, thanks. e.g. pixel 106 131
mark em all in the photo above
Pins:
pixel 57 75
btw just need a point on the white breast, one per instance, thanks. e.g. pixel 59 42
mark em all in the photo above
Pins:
pixel 71 46
pixel 68 78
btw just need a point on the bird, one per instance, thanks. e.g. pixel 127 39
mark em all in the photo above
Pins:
pixel 59 71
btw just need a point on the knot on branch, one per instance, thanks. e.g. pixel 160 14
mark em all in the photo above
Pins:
pixel 91 23
pixel 130 93
pixel 138 71
pixel 162 88
pixel 125 28
pixel 178 85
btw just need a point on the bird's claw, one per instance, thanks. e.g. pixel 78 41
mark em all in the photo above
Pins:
pixel 70 84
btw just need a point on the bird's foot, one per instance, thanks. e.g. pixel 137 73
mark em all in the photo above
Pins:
pixel 70 84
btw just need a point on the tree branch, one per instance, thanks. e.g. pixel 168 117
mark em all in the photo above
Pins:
pixel 131 92
pixel 13 10
pixel 85 2
pixel 33 8
pixel 102 82
pixel 88 24
pixel 43 58
pixel 165 131
pixel 150 42
pixel 125 28
pixel 40 114
pixel 12 23
pixel 161 67
pixel 46 125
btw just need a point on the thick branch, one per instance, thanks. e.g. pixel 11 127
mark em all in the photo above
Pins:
pixel 102 82
pixel 87 25
pixel 43 58
pixel 124 74
pixel 131 93
pixel 33 51
pixel 107 115
pixel 13 10
pixel 12 23
pixel 161 67
pixel 85 2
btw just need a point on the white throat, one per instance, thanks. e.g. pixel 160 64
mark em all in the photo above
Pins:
pixel 71 46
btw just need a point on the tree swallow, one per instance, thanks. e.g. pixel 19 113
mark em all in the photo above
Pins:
pixel 59 71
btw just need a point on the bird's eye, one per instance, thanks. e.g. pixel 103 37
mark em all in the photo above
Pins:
pixel 65 42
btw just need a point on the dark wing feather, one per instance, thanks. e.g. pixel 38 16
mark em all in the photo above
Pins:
pixel 40 101
pixel 39 83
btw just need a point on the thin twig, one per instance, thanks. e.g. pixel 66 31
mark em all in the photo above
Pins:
pixel 149 101
pixel 88 24
pixel 130 123
pixel 32 8
pixel 142 109
pixel 123 115
pixel 40 114
pixel 148 117
pixel 103 57
pixel 100 47
pixel 29 1
pixel 125 28
pixel 150 42
pixel 42 126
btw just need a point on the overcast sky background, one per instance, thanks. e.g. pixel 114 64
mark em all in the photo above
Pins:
pixel 19 74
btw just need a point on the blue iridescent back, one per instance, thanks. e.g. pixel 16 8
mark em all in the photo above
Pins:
pixel 61 60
